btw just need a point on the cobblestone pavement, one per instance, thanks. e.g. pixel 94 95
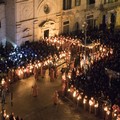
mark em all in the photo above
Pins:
pixel 41 107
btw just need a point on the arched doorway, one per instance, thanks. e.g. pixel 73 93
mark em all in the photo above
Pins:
pixel 47 28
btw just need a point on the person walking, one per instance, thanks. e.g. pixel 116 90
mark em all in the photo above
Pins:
pixel 3 95
pixel 12 117
pixel 35 90
pixel 55 98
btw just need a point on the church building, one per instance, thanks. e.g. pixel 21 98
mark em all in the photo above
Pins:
pixel 31 20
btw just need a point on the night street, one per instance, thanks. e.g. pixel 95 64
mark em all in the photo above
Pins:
pixel 59 59
pixel 41 107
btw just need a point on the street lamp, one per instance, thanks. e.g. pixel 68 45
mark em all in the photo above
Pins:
pixel 84 26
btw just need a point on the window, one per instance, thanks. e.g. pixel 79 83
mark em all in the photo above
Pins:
pixel 104 19
pixel 91 2
pixel 77 2
pixel 113 18
pixel 90 21
pixel 66 27
pixel 66 23
pixel 66 4
pixel 105 1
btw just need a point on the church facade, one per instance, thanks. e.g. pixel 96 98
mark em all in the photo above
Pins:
pixel 31 20
pixel 2 24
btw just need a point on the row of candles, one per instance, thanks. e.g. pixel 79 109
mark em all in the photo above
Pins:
pixel 38 64
pixel 6 116
pixel 29 69
pixel 93 104
pixel 58 41
pixel 21 70
pixel 63 42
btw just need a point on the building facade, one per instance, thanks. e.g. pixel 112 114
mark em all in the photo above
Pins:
pixel 31 20
pixel 2 24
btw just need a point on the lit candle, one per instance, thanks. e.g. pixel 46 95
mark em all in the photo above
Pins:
pixel 91 102
pixel 105 108
pixel 96 106
pixel 74 93
pixel 69 90
pixel 79 97
pixel 84 102
pixel 3 82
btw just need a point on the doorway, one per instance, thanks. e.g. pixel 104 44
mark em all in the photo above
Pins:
pixel 90 23
pixel 46 33
pixel 112 24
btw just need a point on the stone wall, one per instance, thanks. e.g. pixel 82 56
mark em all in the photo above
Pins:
pixel 10 21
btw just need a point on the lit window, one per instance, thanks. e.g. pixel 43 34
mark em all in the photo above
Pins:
pixel 66 4
pixel 77 2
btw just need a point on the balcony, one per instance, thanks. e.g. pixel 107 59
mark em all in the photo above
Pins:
pixel 67 12
pixel 111 5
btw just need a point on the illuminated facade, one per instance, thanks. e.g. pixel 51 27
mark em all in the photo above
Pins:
pixel 2 24
pixel 28 20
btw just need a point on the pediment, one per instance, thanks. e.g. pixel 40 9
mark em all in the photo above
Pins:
pixel 46 22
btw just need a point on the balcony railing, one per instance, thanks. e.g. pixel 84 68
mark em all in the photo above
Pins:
pixel 112 4
pixel 67 12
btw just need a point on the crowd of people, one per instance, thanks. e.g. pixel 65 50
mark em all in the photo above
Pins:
pixel 96 81
pixel 11 116
pixel 87 70
pixel 20 56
